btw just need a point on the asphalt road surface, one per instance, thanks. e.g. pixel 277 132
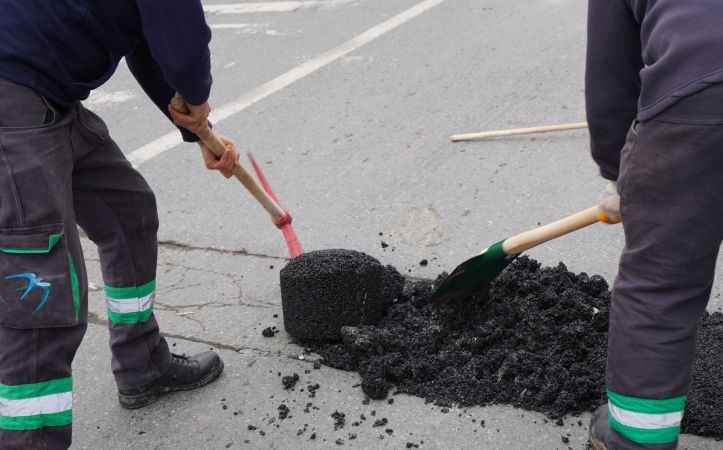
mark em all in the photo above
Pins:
pixel 348 104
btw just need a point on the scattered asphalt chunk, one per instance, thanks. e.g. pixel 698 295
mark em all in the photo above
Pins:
pixel 289 381
pixel 283 411
pixel 339 420
pixel 269 332
pixel 380 422
pixel 312 388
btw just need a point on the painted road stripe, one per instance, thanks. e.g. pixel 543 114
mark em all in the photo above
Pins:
pixel 239 26
pixel 272 7
pixel 173 139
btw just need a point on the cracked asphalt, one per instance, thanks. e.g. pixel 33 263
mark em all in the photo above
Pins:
pixel 354 149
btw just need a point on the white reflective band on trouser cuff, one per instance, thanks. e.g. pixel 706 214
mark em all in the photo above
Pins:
pixel 131 305
pixel 47 404
pixel 644 420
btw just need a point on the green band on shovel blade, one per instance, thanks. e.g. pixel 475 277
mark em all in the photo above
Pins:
pixel 474 275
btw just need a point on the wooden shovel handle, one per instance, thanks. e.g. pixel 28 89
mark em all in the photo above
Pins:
pixel 216 146
pixel 516 132
pixel 529 239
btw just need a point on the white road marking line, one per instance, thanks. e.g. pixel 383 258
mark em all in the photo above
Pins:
pixel 101 97
pixel 272 7
pixel 248 28
pixel 238 26
pixel 173 139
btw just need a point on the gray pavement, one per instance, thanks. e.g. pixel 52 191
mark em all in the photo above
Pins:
pixel 356 148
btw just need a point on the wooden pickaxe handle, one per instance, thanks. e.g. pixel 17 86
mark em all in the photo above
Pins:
pixel 212 141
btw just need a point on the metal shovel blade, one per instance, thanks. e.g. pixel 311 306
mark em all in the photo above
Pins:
pixel 473 276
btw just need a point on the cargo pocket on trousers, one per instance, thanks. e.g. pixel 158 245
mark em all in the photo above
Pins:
pixel 39 286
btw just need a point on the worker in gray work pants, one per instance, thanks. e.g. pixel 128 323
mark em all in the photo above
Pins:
pixel 58 169
pixel 656 64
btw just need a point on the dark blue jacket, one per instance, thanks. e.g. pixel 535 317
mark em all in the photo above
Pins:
pixel 643 56
pixel 65 48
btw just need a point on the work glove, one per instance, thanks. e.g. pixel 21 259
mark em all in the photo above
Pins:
pixel 610 203
pixel 226 163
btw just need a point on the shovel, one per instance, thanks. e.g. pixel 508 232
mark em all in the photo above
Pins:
pixel 266 198
pixel 474 276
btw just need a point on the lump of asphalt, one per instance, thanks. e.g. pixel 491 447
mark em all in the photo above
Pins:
pixel 324 290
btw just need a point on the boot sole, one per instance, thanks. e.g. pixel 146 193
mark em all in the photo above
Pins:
pixel 597 445
pixel 151 396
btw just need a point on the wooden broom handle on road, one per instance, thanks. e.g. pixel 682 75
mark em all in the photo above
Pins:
pixel 516 132
pixel 216 146
pixel 529 239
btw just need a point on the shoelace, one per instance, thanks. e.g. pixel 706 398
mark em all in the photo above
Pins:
pixel 182 360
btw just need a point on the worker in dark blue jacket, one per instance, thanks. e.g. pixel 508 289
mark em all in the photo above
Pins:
pixel 656 64
pixel 59 168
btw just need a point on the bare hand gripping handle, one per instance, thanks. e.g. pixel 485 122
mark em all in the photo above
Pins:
pixel 212 141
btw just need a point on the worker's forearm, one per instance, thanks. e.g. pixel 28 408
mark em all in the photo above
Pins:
pixel 612 80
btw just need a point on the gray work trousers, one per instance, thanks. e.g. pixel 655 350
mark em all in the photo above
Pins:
pixel 671 187
pixel 60 169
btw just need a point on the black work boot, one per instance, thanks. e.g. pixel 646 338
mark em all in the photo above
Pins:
pixel 184 374
pixel 602 437
pixel 600 429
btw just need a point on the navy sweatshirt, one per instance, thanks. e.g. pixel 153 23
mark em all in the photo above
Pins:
pixel 642 57
pixel 63 49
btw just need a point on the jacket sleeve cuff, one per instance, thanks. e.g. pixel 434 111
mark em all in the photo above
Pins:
pixel 608 174
pixel 191 137
pixel 188 136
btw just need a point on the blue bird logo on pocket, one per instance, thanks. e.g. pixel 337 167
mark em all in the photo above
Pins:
pixel 34 282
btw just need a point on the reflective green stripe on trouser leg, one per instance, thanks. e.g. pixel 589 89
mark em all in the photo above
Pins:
pixel 38 405
pixel 646 421
pixel 130 305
